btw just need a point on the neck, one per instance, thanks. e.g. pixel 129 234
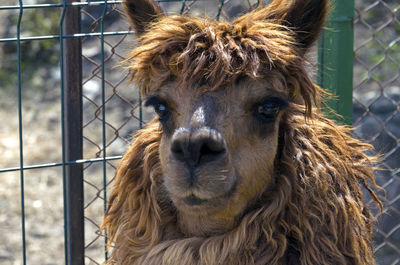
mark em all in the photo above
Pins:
pixel 212 224
pixel 204 226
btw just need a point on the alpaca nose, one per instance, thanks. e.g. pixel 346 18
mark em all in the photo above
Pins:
pixel 198 147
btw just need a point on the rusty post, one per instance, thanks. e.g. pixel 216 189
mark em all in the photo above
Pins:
pixel 73 136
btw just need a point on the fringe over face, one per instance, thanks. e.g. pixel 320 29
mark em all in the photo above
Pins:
pixel 193 50
pixel 312 213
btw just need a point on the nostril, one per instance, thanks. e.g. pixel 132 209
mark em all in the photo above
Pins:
pixel 207 145
pixel 178 147
pixel 210 150
pixel 178 154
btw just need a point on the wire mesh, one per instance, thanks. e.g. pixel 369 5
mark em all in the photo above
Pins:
pixel 33 164
pixel 376 104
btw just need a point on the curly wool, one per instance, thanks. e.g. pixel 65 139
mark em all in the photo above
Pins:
pixel 312 213
pixel 314 209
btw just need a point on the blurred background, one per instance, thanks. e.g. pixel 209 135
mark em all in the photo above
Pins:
pixel 32 197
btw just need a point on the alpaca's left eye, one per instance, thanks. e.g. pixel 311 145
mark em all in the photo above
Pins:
pixel 269 109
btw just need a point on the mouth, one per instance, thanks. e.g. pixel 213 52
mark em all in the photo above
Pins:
pixel 193 200
pixel 201 197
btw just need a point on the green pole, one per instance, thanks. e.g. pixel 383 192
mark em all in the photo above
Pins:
pixel 335 60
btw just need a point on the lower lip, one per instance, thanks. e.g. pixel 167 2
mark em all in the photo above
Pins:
pixel 192 200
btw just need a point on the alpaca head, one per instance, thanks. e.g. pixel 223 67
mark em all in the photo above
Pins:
pixel 218 148
pixel 221 91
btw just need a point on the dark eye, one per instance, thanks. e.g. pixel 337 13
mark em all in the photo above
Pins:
pixel 267 110
pixel 160 107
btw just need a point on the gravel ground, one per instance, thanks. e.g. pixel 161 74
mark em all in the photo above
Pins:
pixel 43 187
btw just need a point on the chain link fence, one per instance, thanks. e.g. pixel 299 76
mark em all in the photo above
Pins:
pixel 376 105
pixel 32 179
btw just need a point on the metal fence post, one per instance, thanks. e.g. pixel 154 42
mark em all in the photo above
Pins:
pixel 21 142
pixel 335 58
pixel 73 136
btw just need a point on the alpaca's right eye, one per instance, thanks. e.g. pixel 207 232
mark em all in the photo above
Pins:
pixel 160 107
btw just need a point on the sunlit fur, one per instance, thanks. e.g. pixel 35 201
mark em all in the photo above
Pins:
pixel 312 211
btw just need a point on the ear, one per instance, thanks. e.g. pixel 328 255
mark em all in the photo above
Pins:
pixel 141 13
pixel 306 18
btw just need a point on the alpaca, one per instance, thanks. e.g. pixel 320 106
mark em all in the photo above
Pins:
pixel 239 166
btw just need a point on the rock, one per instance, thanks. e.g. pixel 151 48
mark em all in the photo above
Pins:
pixel 5 255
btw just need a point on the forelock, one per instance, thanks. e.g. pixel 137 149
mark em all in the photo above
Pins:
pixel 191 50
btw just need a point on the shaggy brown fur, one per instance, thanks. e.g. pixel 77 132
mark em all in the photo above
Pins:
pixel 309 211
